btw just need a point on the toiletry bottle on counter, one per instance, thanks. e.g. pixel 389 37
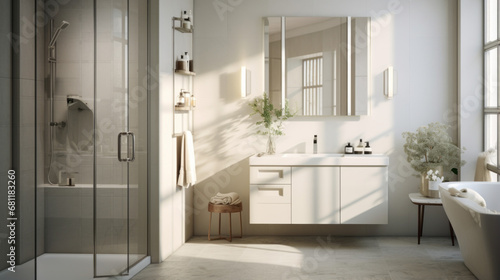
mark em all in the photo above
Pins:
pixel 359 148
pixel 349 149
pixel 315 144
pixel 368 149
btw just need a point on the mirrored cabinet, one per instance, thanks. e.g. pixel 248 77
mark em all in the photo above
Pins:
pixel 320 65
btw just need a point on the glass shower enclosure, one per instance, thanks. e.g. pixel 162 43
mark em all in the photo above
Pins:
pixel 75 133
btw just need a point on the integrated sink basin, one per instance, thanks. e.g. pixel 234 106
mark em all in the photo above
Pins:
pixel 290 159
pixel 309 155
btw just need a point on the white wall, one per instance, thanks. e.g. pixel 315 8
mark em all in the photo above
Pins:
pixel 418 38
pixel 470 83
pixel 170 225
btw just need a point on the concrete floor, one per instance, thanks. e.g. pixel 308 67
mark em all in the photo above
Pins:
pixel 312 257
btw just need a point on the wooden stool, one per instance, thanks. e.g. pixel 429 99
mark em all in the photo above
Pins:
pixel 219 208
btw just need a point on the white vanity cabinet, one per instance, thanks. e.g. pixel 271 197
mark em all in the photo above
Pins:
pixel 319 189
pixel 315 195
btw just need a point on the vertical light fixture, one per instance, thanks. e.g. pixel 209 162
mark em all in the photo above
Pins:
pixel 389 88
pixel 245 82
pixel 349 66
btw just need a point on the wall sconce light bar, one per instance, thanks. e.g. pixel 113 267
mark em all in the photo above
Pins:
pixel 245 82
pixel 389 82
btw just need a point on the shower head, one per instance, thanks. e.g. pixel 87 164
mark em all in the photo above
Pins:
pixel 63 26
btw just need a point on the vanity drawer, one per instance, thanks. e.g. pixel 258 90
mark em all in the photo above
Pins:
pixel 270 213
pixel 270 204
pixel 275 175
pixel 275 194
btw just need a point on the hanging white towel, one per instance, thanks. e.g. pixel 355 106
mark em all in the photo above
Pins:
pixel 187 172
pixel 482 173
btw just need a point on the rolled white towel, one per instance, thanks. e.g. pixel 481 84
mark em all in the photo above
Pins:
pixel 470 194
pixel 237 201
pixel 225 198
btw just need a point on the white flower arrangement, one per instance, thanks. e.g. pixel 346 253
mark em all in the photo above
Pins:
pixel 434 176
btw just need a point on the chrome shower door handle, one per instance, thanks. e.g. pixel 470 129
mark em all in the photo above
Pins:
pixel 120 146
pixel 132 158
pixel 129 151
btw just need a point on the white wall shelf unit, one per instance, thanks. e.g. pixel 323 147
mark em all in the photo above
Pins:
pixel 182 115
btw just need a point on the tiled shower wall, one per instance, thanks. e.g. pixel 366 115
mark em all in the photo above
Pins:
pixel 25 91
pixel 73 146
pixel 5 115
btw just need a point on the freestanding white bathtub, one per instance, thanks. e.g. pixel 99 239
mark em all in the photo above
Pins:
pixel 477 228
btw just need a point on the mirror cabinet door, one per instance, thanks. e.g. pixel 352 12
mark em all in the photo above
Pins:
pixel 326 65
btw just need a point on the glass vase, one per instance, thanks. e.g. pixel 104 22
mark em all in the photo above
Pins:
pixel 271 145
pixel 434 189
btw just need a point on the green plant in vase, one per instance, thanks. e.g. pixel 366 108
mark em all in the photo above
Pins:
pixel 430 147
pixel 271 122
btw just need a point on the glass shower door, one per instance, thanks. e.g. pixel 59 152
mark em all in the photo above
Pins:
pixel 120 166
pixel 111 186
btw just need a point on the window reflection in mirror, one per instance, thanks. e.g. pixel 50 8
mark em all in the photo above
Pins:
pixel 319 53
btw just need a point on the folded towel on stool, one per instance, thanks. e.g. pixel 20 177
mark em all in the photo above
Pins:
pixel 231 198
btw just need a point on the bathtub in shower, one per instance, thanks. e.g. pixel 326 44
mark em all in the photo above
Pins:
pixel 477 228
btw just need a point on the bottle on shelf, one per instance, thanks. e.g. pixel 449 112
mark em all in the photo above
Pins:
pixel 368 149
pixel 349 149
pixel 359 149
pixel 193 101
pixel 186 20
pixel 187 98
pixel 186 58
pixel 315 144
pixel 185 15
pixel 179 64
pixel 181 101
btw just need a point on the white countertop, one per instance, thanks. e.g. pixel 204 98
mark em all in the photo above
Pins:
pixel 320 159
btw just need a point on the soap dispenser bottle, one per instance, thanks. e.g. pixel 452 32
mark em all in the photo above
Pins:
pixel 368 149
pixel 359 148
pixel 181 101
pixel 315 144
pixel 349 149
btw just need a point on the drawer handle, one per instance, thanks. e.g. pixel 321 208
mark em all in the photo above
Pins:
pixel 271 191
pixel 280 172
